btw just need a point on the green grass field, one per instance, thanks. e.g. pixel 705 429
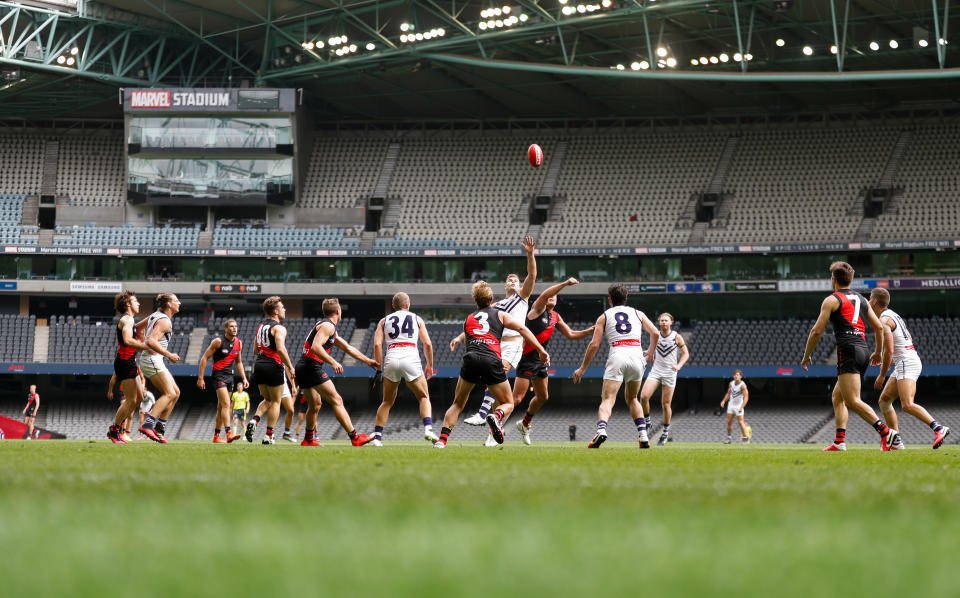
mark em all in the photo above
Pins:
pixel 80 518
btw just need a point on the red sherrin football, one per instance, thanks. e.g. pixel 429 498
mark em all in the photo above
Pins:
pixel 535 155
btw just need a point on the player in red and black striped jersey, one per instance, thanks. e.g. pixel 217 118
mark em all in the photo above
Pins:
pixel 317 385
pixel 271 364
pixel 849 313
pixel 482 361
pixel 125 363
pixel 542 320
pixel 30 410
pixel 225 351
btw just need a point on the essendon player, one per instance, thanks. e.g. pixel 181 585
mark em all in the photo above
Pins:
pixel 402 330
pixel 848 312
pixel 902 354
pixel 315 382
pixel 482 360
pixel 125 363
pixel 224 350
pixel 542 320
pixel 272 363
pixel 622 326
pixel 30 410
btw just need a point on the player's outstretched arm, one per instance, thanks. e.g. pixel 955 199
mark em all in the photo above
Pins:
pixel 829 305
pixel 528 336
pixel 355 353
pixel 457 340
pixel 573 335
pixel 214 345
pixel 592 348
pixel 427 348
pixel 378 342
pixel 654 333
pixel 531 279
pixel 540 304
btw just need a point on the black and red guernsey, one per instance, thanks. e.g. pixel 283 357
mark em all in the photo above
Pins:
pixel 850 319
pixel 224 357
pixel 483 330
pixel 543 328
pixel 30 399
pixel 124 352
pixel 266 342
pixel 327 346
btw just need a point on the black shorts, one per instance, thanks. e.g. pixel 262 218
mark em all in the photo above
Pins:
pixel 482 368
pixel 239 413
pixel 853 359
pixel 29 412
pixel 268 373
pixel 125 368
pixel 223 379
pixel 310 373
pixel 531 367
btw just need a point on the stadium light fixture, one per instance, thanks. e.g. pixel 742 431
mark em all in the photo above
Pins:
pixel 807 51
pixel 714 60
pixel 483 25
pixel 748 57
pixel 704 60
pixel 780 42
pixel 620 67
pixel 644 65
pixel 74 51
pixel 724 58
pixel 672 62
pixel 70 61
pixel 874 46
pixel 371 46
pixel 694 62
pixel 405 27
pixel 61 59
pixel 581 8
pixel 737 57
pixel 943 42
pixel 563 1
pixel 662 52
pixel 923 43
pixel 606 3
pixel 506 10
pixel 894 44
pixel 523 18
pixel 833 49
pixel 635 66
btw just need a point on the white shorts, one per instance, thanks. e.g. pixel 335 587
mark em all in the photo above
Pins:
pixel 735 408
pixel 151 364
pixel 908 368
pixel 402 365
pixel 625 366
pixel 285 394
pixel 148 402
pixel 665 378
pixel 511 352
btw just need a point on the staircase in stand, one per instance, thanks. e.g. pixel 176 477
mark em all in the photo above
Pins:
pixel 387 169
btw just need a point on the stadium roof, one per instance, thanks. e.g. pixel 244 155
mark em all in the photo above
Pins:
pixel 446 59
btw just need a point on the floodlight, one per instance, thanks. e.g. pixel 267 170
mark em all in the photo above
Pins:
pixel 781 43
pixel 807 51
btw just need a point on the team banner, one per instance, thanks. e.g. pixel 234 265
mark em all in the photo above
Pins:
pixel 12 429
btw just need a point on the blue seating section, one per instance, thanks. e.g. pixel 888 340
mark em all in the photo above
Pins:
pixel 11 212
pixel 126 236
pixel 281 238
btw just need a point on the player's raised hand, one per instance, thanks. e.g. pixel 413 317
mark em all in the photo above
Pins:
pixel 572 281
pixel 528 244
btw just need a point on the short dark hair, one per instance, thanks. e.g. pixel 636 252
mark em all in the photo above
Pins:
pixel 330 307
pixel 882 296
pixel 618 293
pixel 842 272
pixel 270 305
pixel 738 371
pixel 164 299
pixel 121 301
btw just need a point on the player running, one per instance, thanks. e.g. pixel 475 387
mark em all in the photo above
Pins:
pixel 515 303
pixel 29 411
pixel 316 384
pixel 483 361
pixel 125 363
pixel 666 364
pixel 157 335
pixel 225 350
pixel 541 320
pixel 900 350
pixel 401 330
pixel 738 396
pixel 848 312
pixel 272 367
pixel 622 326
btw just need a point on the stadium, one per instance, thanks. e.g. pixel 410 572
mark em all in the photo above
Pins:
pixel 752 183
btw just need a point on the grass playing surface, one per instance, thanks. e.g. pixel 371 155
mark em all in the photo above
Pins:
pixel 80 518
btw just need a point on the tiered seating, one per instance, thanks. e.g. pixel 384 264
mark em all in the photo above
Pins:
pixel 90 170
pixel 796 185
pixel 16 337
pixel 927 209
pixel 342 169
pixel 630 189
pixel 754 342
pixel 87 340
pixel 281 238
pixel 11 213
pixel 297 331
pixel 468 189
pixel 22 160
pixel 127 236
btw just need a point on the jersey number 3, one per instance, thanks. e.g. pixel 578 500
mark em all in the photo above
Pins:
pixel 484 324
pixel 406 327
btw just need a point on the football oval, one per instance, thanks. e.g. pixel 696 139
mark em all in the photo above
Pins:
pixel 535 155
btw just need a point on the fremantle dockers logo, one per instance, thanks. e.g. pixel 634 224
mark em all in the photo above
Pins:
pixel 666 350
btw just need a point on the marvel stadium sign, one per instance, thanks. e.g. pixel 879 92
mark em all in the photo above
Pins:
pixel 176 99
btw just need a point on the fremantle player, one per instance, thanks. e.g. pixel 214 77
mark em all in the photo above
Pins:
pixel 622 326
pixel 542 320
pixel 848 312
pixel 900 350
pixel 666 364
pixel 483 360
pixel 738 396
pixel 125 362
pixel 30 410
pixel 159 331
pixel 225 350
pixel 401 330
pixel 272 367
pixel 515 304
pixel 316 384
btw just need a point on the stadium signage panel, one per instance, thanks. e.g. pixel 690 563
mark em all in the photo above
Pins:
pixel 8 285
pixel 80 286
pixel 209 100
pixel 235 288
